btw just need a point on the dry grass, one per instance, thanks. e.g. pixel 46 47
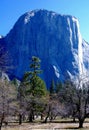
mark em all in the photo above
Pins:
pixel 49 126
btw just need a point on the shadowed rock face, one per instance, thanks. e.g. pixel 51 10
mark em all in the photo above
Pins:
pixel 54 38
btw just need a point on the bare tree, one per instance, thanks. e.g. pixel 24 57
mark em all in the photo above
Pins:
pixel 53 108
pixel 75 96
pixel 22 102
pixel 7 100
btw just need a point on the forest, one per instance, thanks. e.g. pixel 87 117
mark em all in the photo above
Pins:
pixel 29 100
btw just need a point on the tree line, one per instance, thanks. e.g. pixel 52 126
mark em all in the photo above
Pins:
pixel 30 99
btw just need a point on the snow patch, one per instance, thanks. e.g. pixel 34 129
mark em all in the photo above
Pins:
pixel 74 19
pixel 29 15
pixel 54 14
pixel 0 36
pixel 56 71
pixel 4 76
pixel 70 75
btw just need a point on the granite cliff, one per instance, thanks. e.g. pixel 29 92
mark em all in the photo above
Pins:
pixel 54 38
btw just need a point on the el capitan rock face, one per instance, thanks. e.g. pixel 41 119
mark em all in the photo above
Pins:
pixel 54 38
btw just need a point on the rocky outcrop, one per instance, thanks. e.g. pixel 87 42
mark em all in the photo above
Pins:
pixel 52 37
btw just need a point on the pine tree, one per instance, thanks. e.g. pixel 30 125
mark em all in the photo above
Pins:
pixel 33 89
pixel 52 87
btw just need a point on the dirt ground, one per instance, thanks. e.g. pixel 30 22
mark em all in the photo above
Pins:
pixel 48 126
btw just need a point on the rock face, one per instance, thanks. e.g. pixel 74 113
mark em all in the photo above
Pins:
pixel 85 48
pixel 52 37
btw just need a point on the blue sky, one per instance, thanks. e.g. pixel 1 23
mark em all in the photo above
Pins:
pixel 11 10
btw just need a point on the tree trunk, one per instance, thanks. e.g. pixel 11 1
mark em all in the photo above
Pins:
pixel 33 117
pixel 81 121
pixel 48 114
pixel 51 116
pixel 0 126
pixel 45 121
pixel 30 117
pixel 20 119
pixel 74 119
pixel 2 118
pixel 42 116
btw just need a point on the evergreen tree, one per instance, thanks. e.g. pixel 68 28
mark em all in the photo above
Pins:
pixel 52 87
pixel 59 86
pixel 33 89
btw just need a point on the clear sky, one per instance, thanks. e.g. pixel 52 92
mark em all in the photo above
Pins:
pixel 11 10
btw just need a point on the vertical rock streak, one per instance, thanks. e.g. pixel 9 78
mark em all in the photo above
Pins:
pixel 80 52
pixel 54 38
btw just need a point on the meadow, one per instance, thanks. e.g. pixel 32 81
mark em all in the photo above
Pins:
pixel 61 124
